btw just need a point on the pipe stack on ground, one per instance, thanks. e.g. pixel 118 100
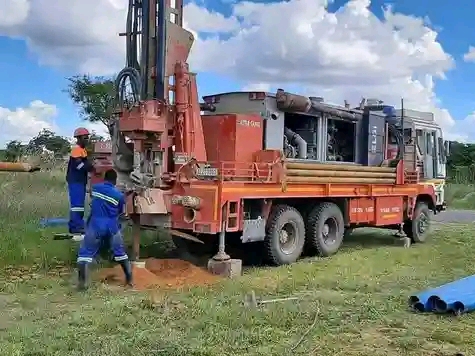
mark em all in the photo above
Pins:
pixel 18 167
pixel 338 173
pixel 455 297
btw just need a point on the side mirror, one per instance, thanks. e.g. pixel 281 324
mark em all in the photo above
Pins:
pixel 447 148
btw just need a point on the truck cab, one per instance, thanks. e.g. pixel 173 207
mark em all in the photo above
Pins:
pixel 432 150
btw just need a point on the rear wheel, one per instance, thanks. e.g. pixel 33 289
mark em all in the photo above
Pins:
pixel 418 229
pixel 285 235
pixel 325 229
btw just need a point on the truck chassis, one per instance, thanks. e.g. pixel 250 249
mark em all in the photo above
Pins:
pixel 289 218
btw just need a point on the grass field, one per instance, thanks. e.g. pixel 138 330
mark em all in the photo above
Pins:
pixel 351 304
pixel 460 196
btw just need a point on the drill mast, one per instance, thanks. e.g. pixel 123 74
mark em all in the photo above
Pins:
pixel 146 45
pixel 155 115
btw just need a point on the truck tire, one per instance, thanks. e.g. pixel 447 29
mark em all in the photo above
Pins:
pixel 325 229
pixel 285 236
pixel 418 228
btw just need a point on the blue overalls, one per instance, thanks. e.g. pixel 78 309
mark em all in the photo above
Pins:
pixel 76 177
pixel 103 227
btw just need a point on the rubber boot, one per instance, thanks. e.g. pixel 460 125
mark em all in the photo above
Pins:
pixel 127 268
pixel 83 275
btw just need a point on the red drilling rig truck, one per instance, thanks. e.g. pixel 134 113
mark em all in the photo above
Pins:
pixel 287 172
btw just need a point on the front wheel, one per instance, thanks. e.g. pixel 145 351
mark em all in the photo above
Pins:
pixel 418 228
pixel 285 235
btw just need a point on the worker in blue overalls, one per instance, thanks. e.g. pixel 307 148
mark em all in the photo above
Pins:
pixel 76 177
pixel 103 228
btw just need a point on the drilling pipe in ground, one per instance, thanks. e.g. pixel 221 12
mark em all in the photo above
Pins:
pixel 18 167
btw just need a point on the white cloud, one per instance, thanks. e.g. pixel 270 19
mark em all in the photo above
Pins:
pixel 339 55
pixel 79 34
pixel 464 130
pixel 98 128
pixel 13 12
pixel 24 123
pixel 257 87
pixel 342 55
pixel 470 55
pixel 205 20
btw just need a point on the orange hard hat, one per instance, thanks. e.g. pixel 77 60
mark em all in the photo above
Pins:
pixel 81 131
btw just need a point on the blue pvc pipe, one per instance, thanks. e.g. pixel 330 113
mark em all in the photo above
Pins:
pixel 51 222
pixel 450 305
pixel 457 296
pixel 424 301
pixel 455 291
pixel 461 301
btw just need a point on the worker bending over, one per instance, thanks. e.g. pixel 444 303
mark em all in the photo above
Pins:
pixel 103 228
pixel 76 177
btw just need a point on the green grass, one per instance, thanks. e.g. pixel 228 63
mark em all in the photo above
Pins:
pixel 460 196
pixel 351 304
pixel 24 200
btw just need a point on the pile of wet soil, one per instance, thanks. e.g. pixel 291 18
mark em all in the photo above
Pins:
pixel 166 273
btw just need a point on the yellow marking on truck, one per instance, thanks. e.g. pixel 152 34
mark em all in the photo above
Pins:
pixel 389 216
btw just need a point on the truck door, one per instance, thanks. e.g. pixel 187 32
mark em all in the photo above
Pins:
pixel 430 157
pixel 435 155
pixel 441 154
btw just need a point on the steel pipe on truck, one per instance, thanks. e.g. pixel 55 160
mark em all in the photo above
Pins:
pixel 353 180
pixel 354 173
pixel 338 167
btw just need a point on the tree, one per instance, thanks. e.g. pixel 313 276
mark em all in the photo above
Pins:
pixel 96 138
pixel 14 151
pixel 49 140
pixel 95 97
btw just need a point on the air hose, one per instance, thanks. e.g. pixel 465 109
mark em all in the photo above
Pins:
pixel 133 75
pixel 132 69
pixel 123 157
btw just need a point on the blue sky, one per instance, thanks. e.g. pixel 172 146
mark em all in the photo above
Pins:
pixel 25 79
pixel 456 36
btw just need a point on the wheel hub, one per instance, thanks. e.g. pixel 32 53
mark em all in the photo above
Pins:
pixel 329 232
pixel 288 238
pixel 284 237
pixel 423 223
pixel 326 230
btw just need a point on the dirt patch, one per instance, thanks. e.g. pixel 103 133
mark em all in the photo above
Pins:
pixel 166 273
